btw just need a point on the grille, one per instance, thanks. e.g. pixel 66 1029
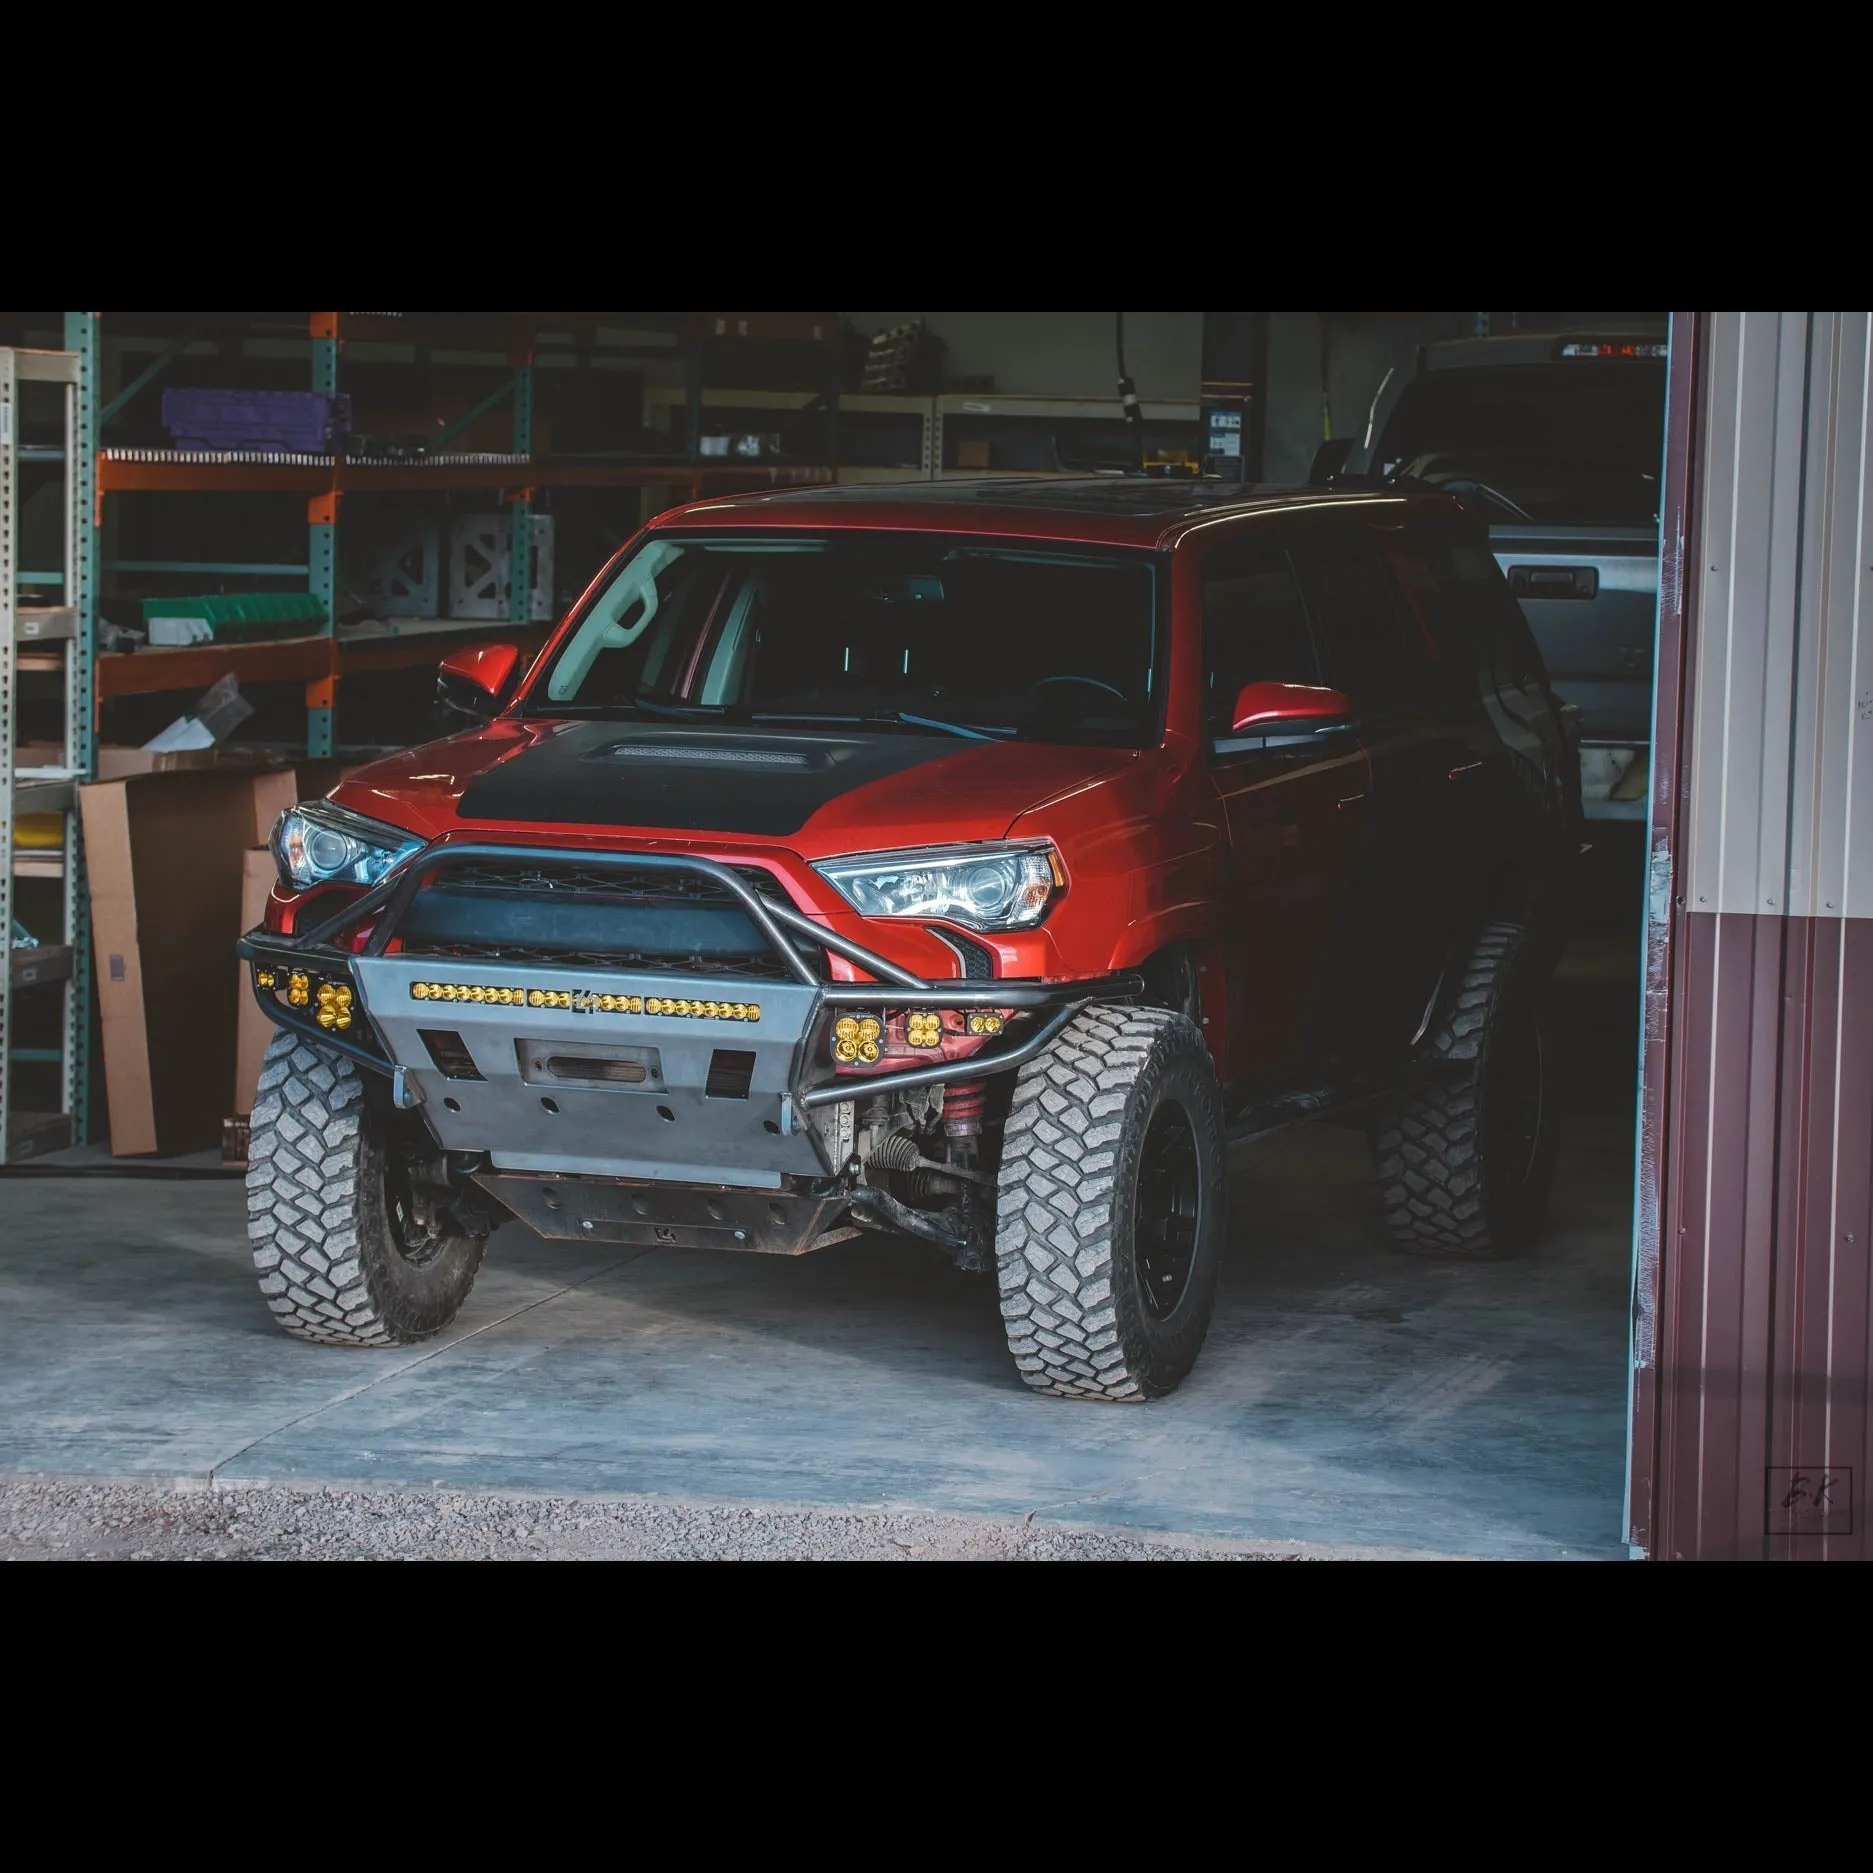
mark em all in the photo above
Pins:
pixel 643 887
pixel 690 923
pixel 978 960
pixel 767 967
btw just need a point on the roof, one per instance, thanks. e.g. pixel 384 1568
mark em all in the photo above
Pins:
pixel 1127 510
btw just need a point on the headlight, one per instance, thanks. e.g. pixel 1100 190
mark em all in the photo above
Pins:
pixel 323 844
pixel 985 888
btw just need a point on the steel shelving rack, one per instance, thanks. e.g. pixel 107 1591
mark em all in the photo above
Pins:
pixel 54 637
pixel 320 660
pixel 937 419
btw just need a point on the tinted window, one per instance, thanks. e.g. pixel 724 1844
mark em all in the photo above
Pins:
pixel 1008 640
pixel 1255 630
pixel 1475 606
pixel 1576 441
pixel 1375 651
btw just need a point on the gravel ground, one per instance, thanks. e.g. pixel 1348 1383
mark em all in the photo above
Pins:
pixel 44 1518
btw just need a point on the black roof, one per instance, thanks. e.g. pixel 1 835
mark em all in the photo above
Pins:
pixel 1133 497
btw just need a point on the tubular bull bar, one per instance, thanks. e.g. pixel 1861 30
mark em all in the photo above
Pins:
pixel 534 1057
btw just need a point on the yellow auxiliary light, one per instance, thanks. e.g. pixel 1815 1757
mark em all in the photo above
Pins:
pixel 845 1028
pixel 923 1029
pixel 985 1024
pixel 582 1001
pixel 298 989
pixel 869 1028
pixel 264 978
pixel 845 1050
pixel 868 1051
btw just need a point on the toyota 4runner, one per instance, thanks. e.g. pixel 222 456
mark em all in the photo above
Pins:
pixel 966 862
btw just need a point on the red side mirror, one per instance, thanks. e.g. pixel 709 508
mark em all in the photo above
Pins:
pixel 474 681
pixel 1262 707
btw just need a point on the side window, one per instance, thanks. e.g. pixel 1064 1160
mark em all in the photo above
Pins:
pixel 1255 629
pixel 1374 648
pixel 1501 645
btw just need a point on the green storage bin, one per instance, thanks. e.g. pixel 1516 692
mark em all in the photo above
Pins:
pixel 245 617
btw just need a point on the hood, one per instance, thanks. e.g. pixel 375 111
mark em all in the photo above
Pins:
pixel 814 792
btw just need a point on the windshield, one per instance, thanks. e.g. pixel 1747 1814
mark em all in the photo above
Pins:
pixel 1572 443
pixel 920 632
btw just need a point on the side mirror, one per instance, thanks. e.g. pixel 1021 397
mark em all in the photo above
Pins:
pixel 475 682
pixel 1329 460
pixel 1263 708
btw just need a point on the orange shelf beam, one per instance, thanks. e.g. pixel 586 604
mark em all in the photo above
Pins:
pixel 342 478
pixel 196 666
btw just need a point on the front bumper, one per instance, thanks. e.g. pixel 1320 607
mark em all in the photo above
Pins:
pixel 624 1074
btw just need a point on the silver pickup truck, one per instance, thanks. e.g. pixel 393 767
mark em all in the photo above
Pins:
pixel 1559 438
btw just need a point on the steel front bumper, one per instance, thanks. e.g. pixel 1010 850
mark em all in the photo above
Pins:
pixel 628 1074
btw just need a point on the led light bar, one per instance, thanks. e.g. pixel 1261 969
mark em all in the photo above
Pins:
pixel 583 1001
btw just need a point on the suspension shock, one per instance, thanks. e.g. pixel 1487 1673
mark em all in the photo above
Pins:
pixel 962 1114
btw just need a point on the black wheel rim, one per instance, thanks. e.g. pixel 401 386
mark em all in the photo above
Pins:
pixel 413 1244
pixel 1167 1210
pixel 1519 1095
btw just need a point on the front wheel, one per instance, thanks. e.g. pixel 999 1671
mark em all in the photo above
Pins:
pixel 347 1250
pixel 1111 1207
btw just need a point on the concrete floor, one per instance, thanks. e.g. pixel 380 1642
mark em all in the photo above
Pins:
pixel 1348 1397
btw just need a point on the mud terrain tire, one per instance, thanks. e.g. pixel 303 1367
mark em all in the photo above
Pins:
pixel 1465 1159
pixel 1111 1206
pixel 339 1258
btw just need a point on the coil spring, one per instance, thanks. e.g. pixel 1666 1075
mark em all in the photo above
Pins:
pixel 962 1109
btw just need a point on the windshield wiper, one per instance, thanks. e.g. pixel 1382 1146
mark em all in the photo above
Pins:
pixel 901 717
pixel 689 711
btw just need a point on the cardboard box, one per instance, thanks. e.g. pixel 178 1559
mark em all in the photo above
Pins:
pixel 252 1029
pixel 124 763
pixel 178 869
pixel 163 854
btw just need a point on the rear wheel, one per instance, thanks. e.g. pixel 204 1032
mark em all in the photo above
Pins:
pixel 348 1249
pixel 1110 1213
pixel 1466 1159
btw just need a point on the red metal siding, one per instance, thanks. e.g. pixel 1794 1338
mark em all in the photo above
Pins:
pixel 1766 1329
pixel 1753 1281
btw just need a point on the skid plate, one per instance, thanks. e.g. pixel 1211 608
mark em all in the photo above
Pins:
pixel 664 1125
pixel 660 1216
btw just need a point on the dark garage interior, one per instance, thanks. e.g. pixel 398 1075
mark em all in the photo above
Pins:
pixel 1515 1205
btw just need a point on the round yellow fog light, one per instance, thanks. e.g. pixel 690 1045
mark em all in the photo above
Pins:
pixel 868 1051
pixel 868 1028
pixel 845 1050
pixel 845 1028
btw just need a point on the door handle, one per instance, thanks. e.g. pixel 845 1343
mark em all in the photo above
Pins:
pixel 1468 767
pixel 1351 800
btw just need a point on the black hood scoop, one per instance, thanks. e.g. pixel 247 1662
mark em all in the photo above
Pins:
pixel 700 755
pixel 763 785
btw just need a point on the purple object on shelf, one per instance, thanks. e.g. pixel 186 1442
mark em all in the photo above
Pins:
pixel 305 420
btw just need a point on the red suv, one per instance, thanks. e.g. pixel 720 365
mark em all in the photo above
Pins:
pixel 972 862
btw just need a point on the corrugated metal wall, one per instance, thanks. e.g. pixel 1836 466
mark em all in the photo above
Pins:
pixel 1754 1315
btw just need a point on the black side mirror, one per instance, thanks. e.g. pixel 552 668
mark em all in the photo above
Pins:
pixel 1329 460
